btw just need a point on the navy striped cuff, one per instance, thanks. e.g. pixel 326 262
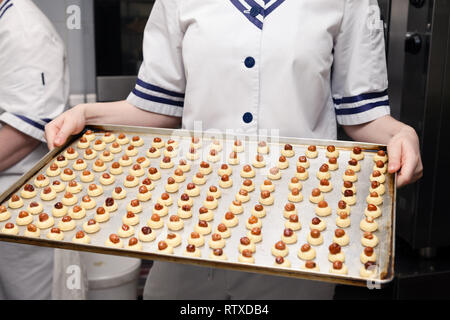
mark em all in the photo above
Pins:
pixel 154 93
pixel 361 103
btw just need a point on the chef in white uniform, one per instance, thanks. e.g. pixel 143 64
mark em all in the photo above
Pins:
pixel 33 91
pixel 296 67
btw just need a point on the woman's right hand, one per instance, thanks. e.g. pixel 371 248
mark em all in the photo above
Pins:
pixel 70 122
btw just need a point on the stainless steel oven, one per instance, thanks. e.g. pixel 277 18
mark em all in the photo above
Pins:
pixel 419 62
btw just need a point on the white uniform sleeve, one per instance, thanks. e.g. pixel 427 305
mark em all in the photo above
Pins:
pixel 34 78
pixel 359 79
pixel 161 81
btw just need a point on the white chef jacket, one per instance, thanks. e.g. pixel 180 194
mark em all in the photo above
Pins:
pixel 293 65
pixel 34 79
pixel 34 83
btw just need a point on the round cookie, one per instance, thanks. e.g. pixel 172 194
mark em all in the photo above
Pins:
pixel 47 194
pixel 306 252
pixel 218 254
pixel 293 222
pixel 318 224
pixel 69 199
pixel 338 267
pixel 311 152
pixel 155 221
pixel 81 238
pixel 368 224
pixel 216 241
pixel 282 262
pixel 32 231
pixel 196 239
pixel 146 234
pixel 91 226
pixel 341 237
pixel 255 235
pixel 192 251
pixel 246 256
pixel 295 195
pixel 101 215
pixel 280 249
pixel 332 152
pixel 130 219
pixel 314 237
pixel 230 220
pixel 94 190
pixel 357 154
pixel 10 228
pixel 303 162
pixel 28 191
pixel 87 176
pixel 173 239
pixel 122 139
pixel 59 210
pixel 24 218
pixel 369 240
pixel 41 181
pixel 246 244
pixel 175 223
pixel 55 234
pixel 33 208
pixel 323 209
pixel 77 212
pixel 114 241
pixel 44 221
pixel 247 172
pixel 70 153
pixel 238 146
pixel 125 231
pixel 266 198
pixel 225 181
pixel 66 224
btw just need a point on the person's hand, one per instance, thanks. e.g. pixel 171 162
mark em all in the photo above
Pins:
pixel 70 122
pixel 404 155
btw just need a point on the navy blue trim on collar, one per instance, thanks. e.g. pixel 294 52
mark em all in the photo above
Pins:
pixel 6 9
pixel 362 108
pixel 152 87
pixel 254 4
pixel 270 9
pixel 153 98
pixel 29 121
pixel 263 12
pixel 243 9
pixel 361 97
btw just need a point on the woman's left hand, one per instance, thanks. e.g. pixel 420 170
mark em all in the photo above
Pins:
pixel 404 155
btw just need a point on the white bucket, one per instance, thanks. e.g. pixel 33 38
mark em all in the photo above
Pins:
pixel 111 277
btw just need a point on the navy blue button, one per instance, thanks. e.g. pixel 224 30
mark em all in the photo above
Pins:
pixel 247 117
pixel 254 11
pixel 250 62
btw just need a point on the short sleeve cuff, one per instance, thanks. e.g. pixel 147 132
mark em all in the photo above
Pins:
pixel 34 128
pixel 364 117
pixel 354 110
pixel 155 99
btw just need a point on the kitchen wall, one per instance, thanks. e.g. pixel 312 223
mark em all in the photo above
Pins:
pixel 74 20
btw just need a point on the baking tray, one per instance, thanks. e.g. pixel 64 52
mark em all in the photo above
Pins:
pixel 272 223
